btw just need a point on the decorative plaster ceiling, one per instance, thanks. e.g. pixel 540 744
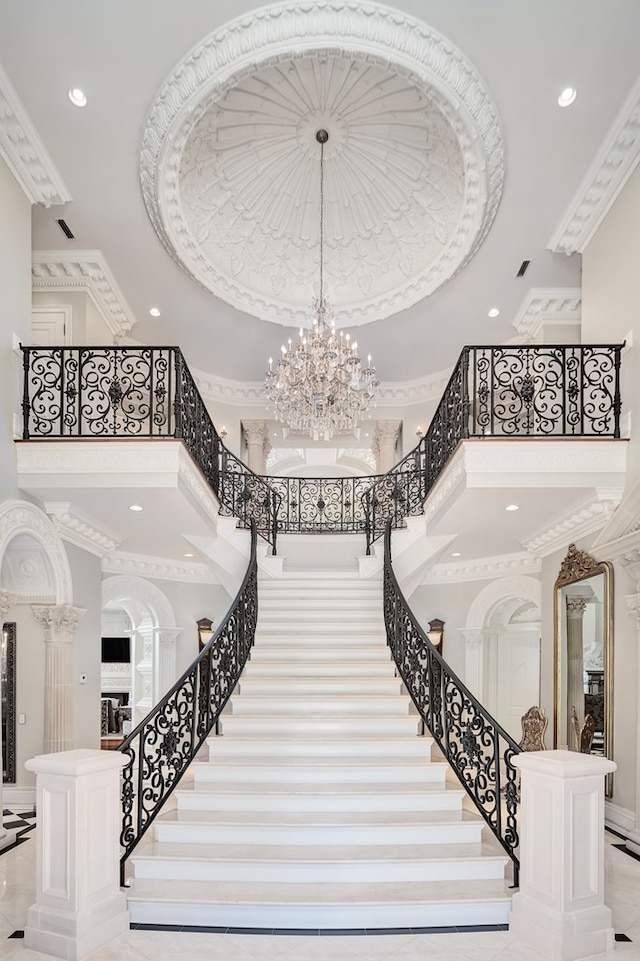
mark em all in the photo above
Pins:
pixel 413 165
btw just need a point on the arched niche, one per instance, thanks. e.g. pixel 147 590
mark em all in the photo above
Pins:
pixel 33 561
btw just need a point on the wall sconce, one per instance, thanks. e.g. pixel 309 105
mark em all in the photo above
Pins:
pixel 419 432
pixel 222 433
pixel 435 633
pixel 205 631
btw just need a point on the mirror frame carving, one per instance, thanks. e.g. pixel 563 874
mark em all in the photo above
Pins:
pixel 9 698
pixel 576 567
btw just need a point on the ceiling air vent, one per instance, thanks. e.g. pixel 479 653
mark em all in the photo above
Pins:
pixel 523 268
pixel 66 230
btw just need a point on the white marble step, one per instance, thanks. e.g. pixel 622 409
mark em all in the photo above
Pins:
pixel 320 906
pixel 330 617
pixel 369 601
pixel 377 705
pixel 337 726
pixel 279 749
pixel 274 668
pixel 279 686
pixel 331 655
pixel 326 865
pixel 341 796
pixel 334 770
pixel 355 828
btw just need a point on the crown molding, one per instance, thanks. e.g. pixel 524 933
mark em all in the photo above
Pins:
pixel 547 306
pixel 78 528
pixel 24 152
pixel 158 568
pixel 613 165
pixel 483 568
pixel 593 517
pixel 84 270
pixel 239 393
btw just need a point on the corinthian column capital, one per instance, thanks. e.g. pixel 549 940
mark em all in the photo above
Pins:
pixel 59 620
pixel 7 601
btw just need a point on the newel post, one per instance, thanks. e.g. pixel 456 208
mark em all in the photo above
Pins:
pixel 79 905
pixel 560 906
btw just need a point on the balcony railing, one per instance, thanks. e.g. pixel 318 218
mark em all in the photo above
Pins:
pixel 148 392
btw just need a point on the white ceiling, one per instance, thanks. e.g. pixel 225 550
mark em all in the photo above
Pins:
pixel 122 53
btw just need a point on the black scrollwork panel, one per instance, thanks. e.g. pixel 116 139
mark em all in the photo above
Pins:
pixel 194 424
pixel 316 504
pixel 97 392
pixel 247 496
pixel 163 745
pixel 479 750
pixel 544 391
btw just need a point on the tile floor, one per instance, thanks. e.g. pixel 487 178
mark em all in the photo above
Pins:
pixel 17 890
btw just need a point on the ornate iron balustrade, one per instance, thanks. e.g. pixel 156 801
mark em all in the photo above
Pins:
pixel 139 392
pixel 163 745
pixel 532 392
pixel 316 505
pixel 478 749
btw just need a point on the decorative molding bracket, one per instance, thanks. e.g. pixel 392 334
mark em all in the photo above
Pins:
pixel 613 165
pixel 84 270
pixel 547 306
pixel 79 529
pixel 158 568
pixel 484 568
pixel 24 152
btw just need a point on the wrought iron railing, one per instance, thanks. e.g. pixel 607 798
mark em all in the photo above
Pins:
pixel 163 745
pixel 139 392
pixel 478 749
pixel 498 392
pixel 316 505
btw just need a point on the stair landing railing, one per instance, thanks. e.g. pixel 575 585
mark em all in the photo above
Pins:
pixel 478 749
pixel 161 748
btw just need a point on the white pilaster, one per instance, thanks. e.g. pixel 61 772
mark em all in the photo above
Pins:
pixel 59 622
pixel 384 444
pixel 165 659
pixel 79 905
pixel 560 906
pixel 257 438
pixel 473 660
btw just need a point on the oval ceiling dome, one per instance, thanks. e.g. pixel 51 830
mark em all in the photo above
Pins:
pixel 230 164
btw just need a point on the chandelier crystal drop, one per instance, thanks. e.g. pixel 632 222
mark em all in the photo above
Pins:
pixel 319 384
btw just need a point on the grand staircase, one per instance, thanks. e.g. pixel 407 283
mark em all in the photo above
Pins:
pixel 319 807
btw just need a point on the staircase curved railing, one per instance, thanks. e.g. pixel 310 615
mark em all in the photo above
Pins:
pixel 478 749
pixel 164 744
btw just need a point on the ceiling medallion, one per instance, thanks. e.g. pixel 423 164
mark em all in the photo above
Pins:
pixel 414 160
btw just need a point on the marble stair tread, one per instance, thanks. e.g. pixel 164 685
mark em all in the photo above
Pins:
pixel 319 686
pixel 278 893
pixel 335 654
pixel 380 667
pixel 338 788
pixel 324 764
pixel 410 819
pixel 326 747
pixel 318 853
pixel 290 705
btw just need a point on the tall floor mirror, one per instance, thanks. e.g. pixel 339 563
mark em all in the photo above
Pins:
pixel 584 657
pixel 8 702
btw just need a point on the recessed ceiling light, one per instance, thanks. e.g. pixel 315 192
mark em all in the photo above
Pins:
pixel 494 312
pixel 567 97
pixel 154 311
pixel 456 554
pixel 135 507
pixel 512 507
pixel 188 555
pixel 78 97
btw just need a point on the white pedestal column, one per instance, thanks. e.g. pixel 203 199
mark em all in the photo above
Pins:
pixel 256 436
pixel 59 623
pixel 560 906
pixel 79 905
pixel 474 660
pixel 165 659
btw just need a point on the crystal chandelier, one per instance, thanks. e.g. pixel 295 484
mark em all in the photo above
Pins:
pixel 319 385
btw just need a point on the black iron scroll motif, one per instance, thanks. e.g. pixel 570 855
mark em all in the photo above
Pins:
pixel 163 745
pixel 478 749
pixel 316 505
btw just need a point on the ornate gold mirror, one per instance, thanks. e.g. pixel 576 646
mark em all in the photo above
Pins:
pixel 584 657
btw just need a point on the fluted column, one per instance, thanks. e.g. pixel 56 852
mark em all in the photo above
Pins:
pixel 385 439
pixel 576 605
pixel 257 438
pixel 474 660
pixel 165 659
pixel 59 622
